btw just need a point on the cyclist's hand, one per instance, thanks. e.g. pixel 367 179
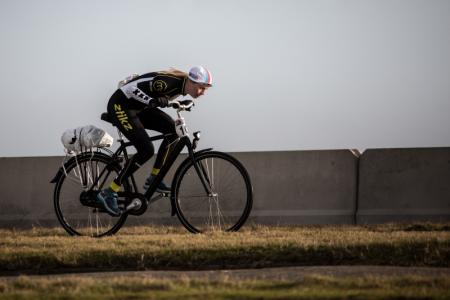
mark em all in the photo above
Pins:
pixel 163 102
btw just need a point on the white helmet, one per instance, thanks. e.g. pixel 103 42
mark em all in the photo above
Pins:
pixel 200 75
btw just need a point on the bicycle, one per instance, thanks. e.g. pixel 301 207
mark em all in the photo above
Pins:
pixel 210 190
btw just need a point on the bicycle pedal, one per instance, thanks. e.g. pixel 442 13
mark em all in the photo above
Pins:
pixel 158 197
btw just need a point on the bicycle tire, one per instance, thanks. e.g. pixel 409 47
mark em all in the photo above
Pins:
pixel 229 206
pixel 67 197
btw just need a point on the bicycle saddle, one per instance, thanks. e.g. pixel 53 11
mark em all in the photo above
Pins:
pixel 105 117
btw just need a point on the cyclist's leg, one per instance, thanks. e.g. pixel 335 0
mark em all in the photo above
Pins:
pixel 134 131
pixel 126 120
pixel 157 120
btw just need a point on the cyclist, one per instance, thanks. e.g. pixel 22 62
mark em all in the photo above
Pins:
pixel 133 108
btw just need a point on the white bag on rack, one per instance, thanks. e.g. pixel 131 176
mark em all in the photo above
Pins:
pixel 85 137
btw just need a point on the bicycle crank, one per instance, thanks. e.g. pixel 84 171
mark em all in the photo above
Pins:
pixel 137 206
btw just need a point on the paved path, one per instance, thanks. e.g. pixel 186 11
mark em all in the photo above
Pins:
pixel 284 273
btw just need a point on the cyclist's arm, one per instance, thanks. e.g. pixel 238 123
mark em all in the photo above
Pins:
pixel 139 95
pixel 153 91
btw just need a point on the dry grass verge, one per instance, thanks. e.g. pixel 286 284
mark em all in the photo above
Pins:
pixel 311 287
pixel 51 250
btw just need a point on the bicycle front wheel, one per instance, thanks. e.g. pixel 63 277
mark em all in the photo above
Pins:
pixel 75 192
pixel 226 207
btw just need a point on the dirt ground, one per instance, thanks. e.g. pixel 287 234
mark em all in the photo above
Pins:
pixel 284 273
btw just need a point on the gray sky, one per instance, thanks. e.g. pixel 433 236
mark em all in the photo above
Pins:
pixel 288 75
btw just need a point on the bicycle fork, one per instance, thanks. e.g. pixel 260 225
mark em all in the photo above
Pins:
pixel 202 173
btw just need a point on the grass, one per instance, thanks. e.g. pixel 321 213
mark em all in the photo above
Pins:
pixel 311 287
pixel 138 248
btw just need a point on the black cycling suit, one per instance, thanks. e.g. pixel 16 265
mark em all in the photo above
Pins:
pixel 133 108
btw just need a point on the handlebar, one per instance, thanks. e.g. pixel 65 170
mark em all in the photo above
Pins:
pixel 182 105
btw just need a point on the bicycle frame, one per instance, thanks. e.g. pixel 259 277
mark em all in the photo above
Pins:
pixel 123 149
pixel 182 142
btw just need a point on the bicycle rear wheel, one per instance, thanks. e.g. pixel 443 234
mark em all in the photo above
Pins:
pixel 74 199
pixel 227 207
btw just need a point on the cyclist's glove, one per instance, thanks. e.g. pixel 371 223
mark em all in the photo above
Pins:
pixel 162 102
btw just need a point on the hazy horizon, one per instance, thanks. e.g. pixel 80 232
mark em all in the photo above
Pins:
pixel 288 75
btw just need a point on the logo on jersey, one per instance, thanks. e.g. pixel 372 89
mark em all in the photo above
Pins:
pixel 143 97
pixel 122 117
pixel 159 86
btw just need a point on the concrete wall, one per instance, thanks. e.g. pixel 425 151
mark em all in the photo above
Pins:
pixel 292 187
pixel 295 187
pixel 26 192
pixel 404 185
pixel 303 187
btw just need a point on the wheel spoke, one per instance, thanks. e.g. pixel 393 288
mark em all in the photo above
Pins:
pixel 76 217
pixel 230 201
